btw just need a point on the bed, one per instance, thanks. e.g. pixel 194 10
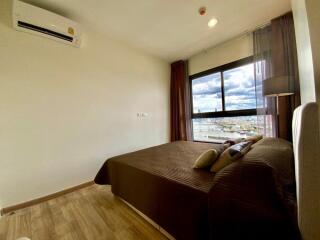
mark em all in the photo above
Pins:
pixel 253 198
pixel 161 183
pixel 306 142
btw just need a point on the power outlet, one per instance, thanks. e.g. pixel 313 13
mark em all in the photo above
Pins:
pixel 142 115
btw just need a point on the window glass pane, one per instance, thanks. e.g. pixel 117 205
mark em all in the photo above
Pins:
pixel 206 93
pixel 239 88
pixel 215 129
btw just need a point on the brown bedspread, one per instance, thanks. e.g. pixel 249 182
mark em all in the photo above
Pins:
pixel 249 199
pixel 161 183
pixel 171 161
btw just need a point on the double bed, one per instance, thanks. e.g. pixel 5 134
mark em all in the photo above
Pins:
pixel 253 198
pixel 161 183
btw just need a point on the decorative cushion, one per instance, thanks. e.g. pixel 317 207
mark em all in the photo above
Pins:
pixel 230 155
pixel 234 141
pixel 226 145
pixel 254 139
pixel 206 159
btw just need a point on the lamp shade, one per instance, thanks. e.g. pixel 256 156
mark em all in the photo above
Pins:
pixel 277 86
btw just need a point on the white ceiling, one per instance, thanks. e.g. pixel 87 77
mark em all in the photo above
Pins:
pixel 170 29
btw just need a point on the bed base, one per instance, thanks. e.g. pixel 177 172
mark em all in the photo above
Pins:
pixel 149 220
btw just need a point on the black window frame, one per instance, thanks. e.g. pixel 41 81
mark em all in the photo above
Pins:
pixel 223 113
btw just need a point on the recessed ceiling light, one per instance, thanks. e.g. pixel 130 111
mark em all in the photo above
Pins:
pixel 212 22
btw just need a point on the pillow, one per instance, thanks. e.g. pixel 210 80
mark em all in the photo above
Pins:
pixel 254 139
pixel 230 155
pixel 233 141
pixel 273 142
pixel 206 159
pixel 226 145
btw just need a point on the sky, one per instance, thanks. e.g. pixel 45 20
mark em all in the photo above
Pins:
pixel 239 87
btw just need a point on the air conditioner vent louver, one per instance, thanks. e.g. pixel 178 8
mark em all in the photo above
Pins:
pixel 32 19
pixel 44 30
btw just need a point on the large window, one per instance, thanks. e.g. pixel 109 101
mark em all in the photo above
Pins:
pixel 224 102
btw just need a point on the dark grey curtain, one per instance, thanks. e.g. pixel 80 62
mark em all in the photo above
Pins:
pixel 275 55
pixel 262 55
pixel 285 63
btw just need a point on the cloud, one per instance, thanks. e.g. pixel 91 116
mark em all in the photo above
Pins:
pixel 210 84
pixel 239 90
pixel 207 103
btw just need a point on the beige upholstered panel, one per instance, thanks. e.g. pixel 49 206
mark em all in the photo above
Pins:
pixel 306 143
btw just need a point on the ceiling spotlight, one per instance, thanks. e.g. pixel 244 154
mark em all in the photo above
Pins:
pixel 212 22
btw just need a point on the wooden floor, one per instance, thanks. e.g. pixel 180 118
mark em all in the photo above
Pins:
pixel 90 213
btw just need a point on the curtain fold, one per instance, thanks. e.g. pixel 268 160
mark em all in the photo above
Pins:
pixel 262 58
pixel 180 115
pixel 275 55
pixel 285 63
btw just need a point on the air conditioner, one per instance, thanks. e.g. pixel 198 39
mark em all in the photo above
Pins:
pixel 35 20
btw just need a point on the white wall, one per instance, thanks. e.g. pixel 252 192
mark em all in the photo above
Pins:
pixel 230 51
pixel 305 51
pixel 313 9
pixel 64 110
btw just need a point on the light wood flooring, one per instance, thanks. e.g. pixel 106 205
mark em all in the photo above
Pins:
pixel 92 213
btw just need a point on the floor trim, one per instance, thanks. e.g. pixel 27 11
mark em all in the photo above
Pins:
pixel 16 207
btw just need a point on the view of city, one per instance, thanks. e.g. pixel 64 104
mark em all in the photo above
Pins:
pixel 221 129
pixel 239 94
pixel 218 129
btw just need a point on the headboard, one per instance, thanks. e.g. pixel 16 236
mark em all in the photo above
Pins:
pixel 306 145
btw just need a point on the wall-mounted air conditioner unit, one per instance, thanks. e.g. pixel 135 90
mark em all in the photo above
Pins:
pixel 35 20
